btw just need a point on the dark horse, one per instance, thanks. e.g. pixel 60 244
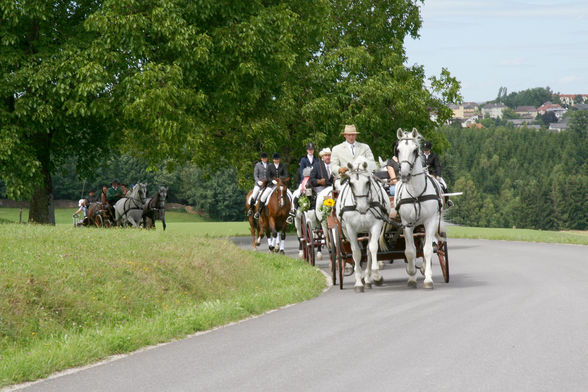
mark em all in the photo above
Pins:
pixel 154 208
pixel 256 225
pixel 275 215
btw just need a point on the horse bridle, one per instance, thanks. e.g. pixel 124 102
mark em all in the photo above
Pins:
pixel 377 213
pixel 416 156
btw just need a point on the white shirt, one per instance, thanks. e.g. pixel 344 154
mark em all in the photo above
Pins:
pixel 310 158
pixel 352 148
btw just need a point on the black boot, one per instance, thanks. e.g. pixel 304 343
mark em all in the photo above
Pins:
pixel 251 207
pixel 258 213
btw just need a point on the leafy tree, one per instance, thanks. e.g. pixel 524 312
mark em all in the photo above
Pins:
pixel 213 82
pixel 548 117
pixel 54 97
pixel 578 99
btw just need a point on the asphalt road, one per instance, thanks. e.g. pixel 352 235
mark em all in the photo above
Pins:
pixel 514 317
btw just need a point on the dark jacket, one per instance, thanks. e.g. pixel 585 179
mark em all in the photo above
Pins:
pixel 274 174
pixel 304 163
pixel 260 172
pixel 319 172
pixel 433 164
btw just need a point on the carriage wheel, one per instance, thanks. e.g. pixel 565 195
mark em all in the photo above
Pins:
pixel 332 257
pixel 340 261
pixel 98 221
pixel 310 244
pixel 303 238
pixel 443 260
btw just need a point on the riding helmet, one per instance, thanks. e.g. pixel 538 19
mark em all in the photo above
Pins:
pixel 310 146
pixel 263 155
pixel 276 156
pixel 427 145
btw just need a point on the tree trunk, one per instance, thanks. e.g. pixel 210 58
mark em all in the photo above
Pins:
pixel 42 209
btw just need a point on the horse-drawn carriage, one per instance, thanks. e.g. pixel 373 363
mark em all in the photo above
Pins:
pixel 360 229
pixel 133 210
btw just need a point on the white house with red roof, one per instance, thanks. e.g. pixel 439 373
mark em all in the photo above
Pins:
pixel 551 107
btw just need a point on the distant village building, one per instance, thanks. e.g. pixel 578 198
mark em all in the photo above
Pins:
pixel 464 111
pixel 559 126
pixel 568 99
pixel 457 111
pixel 526 111
pixel 551 107
pixel 493 110
pixel 470 121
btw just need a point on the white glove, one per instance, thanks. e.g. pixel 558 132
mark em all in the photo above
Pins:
pixel 260 183
pixel 274 182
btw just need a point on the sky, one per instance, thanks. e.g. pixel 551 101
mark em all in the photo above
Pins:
pixel 516 44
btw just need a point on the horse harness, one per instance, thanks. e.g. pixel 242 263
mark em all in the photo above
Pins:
pixel 417 200
pixel 376 206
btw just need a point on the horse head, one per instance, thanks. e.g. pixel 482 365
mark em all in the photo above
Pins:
pixel 162 194
pixel 141 192
pixel 408 153
pixel 359 183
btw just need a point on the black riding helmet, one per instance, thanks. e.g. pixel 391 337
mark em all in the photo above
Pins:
pixel 427 145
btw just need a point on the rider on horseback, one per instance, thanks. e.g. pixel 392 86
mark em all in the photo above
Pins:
pixel 260 176
pixel 274 171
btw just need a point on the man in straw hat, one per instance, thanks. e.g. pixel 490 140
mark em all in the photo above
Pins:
pixel 322 176
pixel 348 151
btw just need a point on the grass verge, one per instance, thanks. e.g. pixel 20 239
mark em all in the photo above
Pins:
pixel 527 235
pixel 74 296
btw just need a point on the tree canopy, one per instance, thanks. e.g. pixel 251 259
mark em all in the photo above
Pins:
pixel 213 82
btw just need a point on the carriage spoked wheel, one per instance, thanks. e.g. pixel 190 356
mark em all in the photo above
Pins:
pixel 443 259
pixel 99 221
pixel 303 237
pixel 339 255
pixel 310 244
pixel 332 257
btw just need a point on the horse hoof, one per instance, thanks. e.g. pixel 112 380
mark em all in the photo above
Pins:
pixel 428 285
pixel 319 256
pixel 282 252
pixel 368 285
pixel 358 289
pixel 271 248
pixel 412 284
pixel 379 282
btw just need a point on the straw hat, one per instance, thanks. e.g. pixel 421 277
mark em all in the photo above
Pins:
pixel 350 130
pixel 325 151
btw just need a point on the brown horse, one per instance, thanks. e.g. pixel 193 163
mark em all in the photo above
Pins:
pixel 256 225
pixel 275 214
pixel 99 215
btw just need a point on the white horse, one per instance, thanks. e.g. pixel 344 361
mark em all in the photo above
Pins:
pixel 362 207
pixel 130 209
pixel 418 202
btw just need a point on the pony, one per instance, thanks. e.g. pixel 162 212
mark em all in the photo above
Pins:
pixel 275 214
pixel 154 208
pixel 130 209
pixel 362 207
pixel 256 225
pixel 418 202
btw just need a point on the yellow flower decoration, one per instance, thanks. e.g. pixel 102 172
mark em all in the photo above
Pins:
pixel 329 202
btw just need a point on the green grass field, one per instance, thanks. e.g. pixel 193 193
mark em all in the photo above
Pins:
pixel 72 296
